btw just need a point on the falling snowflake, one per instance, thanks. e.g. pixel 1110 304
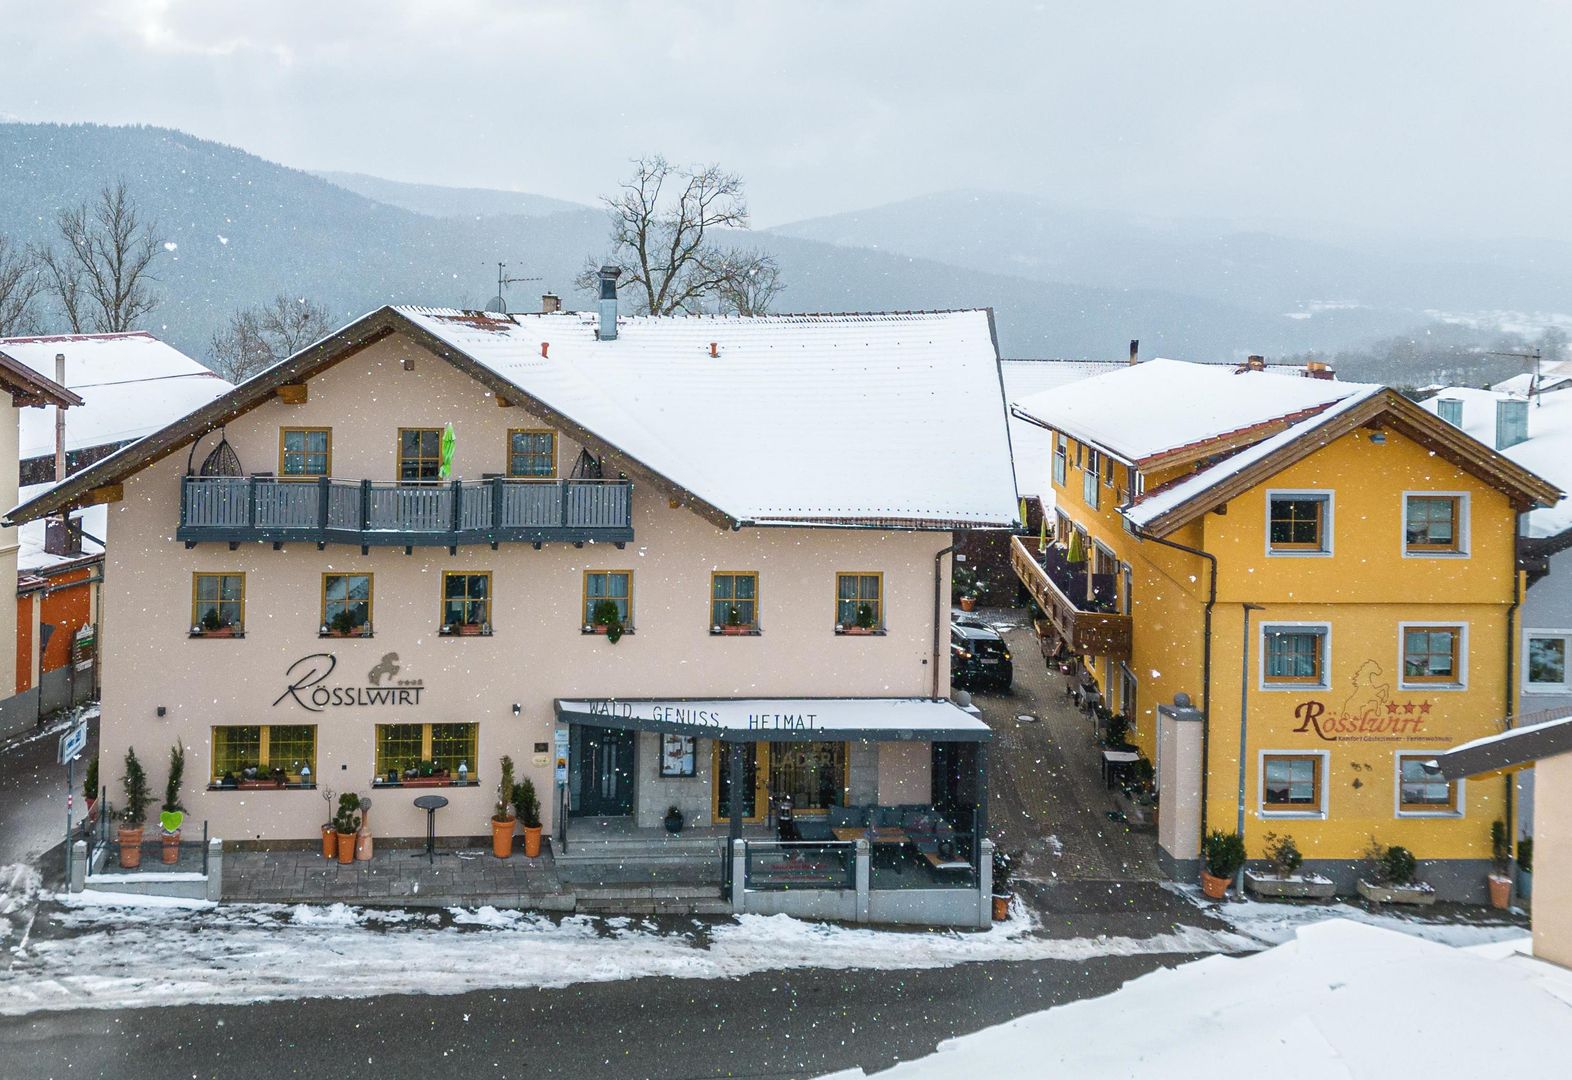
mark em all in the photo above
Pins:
pixel 222 239
pixel 170 245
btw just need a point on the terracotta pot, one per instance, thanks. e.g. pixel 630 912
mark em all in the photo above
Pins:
pixel 1500 892
pixel 502 837
pixel 169 848
pixel 1214 887
pixel 1001 909
pixel 467 630
pixel 532 841
pixel 968 603
pixel 329 842
pixel 346 847
pixel 130 847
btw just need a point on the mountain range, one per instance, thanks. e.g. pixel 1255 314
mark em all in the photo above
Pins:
pixel 239 229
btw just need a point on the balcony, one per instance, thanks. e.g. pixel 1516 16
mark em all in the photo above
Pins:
pixel 241 509
pixel 1079 605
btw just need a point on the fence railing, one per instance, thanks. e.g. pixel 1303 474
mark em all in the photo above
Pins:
pixel 238 508
pixel 806 864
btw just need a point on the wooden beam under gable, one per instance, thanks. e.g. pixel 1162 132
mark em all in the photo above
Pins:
pixel 292 393
pixel 107 493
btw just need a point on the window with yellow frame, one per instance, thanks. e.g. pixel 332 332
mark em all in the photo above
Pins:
pixel 466 602
pixel 305 451
pixel 218 604
pixel 734 602
pixel 252 752
pixel 346 605
pixel 859 603
pixel 613 587
pixel 419 454
pixel 532 453
pixel 426 754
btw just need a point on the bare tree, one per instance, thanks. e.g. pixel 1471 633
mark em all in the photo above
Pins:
pixel 256 338
pixel 100 277
pixel 19 284
pixel 751 283
pixel 663 235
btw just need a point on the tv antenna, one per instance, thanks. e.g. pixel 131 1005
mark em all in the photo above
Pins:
pixel 1536 358
pixel 499 303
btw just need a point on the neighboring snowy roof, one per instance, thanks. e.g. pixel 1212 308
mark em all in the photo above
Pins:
pixel 1552 376
pixel 1164 500
pixel 131 384
pixel 1033 445
pixel 1548 450
pixel 1524 745
pixel 31 557
pixel 784 718
pixel 1144 411
pixel 1340 1000
pixel 799 418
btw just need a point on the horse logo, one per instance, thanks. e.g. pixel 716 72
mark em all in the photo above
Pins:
pixel 386 668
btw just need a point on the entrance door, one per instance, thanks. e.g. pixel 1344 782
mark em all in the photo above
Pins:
pixel 755 770
pixel 605 757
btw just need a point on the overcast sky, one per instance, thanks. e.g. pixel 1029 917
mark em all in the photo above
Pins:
pixel 1441 116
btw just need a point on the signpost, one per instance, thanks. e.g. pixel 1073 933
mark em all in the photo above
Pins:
pixel 72 743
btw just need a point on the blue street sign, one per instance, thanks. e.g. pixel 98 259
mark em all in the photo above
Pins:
pixel 73 743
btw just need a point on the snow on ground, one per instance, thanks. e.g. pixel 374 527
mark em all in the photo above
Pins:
pixel 1341 999
pixel 134 956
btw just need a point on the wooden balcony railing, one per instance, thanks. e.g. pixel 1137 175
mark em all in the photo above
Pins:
pixel 1087 632
pixel 236 509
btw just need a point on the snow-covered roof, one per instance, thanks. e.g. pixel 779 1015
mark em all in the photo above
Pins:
pixel 131 384
pixel 1143 411
pixel 1551 376
pixel 1033 445
pixel 1547 451
pixel 31 556
pixel 797 418
pixel 784 718
pixel 1340 1000
pixel 1164 500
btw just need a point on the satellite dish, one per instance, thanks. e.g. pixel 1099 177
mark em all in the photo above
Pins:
pixel 495 304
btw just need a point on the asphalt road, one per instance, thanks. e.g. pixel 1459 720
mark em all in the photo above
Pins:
pixel 32 797
pixel 776 1024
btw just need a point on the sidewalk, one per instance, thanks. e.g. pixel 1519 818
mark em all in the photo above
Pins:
pixel 403 877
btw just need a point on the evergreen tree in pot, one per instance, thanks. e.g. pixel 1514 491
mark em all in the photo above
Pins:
pixel 502 817
pixel 134 815
pixel 1222 854
pixel 172 814
pixel 346 823
pixel 1500 879
pixel 528 806
pixel 90 788
pixel 1003 875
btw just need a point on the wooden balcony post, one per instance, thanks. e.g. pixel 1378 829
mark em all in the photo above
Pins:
pixel 323 490
pixel 562 520
pixel 365 506
pixel 251 502
pixel 496 503
pixel 458 506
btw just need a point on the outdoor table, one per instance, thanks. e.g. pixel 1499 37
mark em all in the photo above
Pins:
pixel 939 862
pixel 1113 759
pixel 431 804
pixel 890 835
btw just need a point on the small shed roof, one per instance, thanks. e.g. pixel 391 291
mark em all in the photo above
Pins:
pixel 1511 748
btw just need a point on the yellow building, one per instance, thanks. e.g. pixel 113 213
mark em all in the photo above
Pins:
pixel 1325 559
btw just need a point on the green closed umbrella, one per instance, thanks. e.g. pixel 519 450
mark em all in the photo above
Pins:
pixel 446 469
pixel 1077 553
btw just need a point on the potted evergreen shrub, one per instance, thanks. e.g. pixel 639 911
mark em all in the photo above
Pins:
pixel 528 807
pixel 605 618
pixel 1525 867
pixel 172 814
pixel 1389 877
pixel 346 624
pixel 734 623
pixel 1500 878
pixel 963 587
pixel 1284 880
pixel 1003 880
pixel 90 788
pixel 346 823
pixel 1222 854
pixel 502 817
pixel 674 819
pixel 135 812
pixel 329 832
pixel 213 625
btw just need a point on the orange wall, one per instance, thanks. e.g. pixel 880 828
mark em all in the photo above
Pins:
pixel 24 643
pixel 69 610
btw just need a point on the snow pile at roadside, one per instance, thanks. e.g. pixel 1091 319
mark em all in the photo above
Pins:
pixel 1343 999
pixel 142 956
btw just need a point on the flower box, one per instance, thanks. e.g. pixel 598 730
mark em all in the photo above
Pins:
pixel 1292 887
pixel 221 632
pixel 856 630
pixel 364 631
pixel 737 631
pixel 258 785
pixel 443 780
pixel 1419 894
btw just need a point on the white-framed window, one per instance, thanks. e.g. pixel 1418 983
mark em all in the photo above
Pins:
pixel 1061 458
pixel 1089 471
pixel 1432 655
pixel 1435 524
pixel 1293 783
pixel 1299 523
pixel 1295 655
pixel 1129 697
pixel 1546 654
pixel 1421 791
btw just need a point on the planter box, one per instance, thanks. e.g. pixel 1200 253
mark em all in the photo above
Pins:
pixel 1292 887
pixel 427 781
pixel 1422 895
pixel 259 785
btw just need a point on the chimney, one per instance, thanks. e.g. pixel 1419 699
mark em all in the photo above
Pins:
pixel 1255 363
pixel 1317 369
pixel 550 304
pixel 1511 422
pixel 608 302
pixel 1135 351
pixel 63 536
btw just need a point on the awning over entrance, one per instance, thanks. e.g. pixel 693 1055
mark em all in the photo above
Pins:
pixel 783 719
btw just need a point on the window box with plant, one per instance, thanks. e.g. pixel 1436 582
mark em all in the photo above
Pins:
pixel 1222 855
pixel 859 604
pixel 466 604
pixel 218 605
pixel 425 755
pixel 734 603
pixel 260 757
pixel 1389 877
pixel 134 815
pixel 1500 878
pixel 608 603
pixel 527 805
pixel 1284 879
pixel 346 605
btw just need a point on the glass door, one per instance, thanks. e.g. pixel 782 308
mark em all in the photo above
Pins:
pixel 755 771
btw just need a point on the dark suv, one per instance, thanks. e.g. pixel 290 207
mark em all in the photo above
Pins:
pixel 978 655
